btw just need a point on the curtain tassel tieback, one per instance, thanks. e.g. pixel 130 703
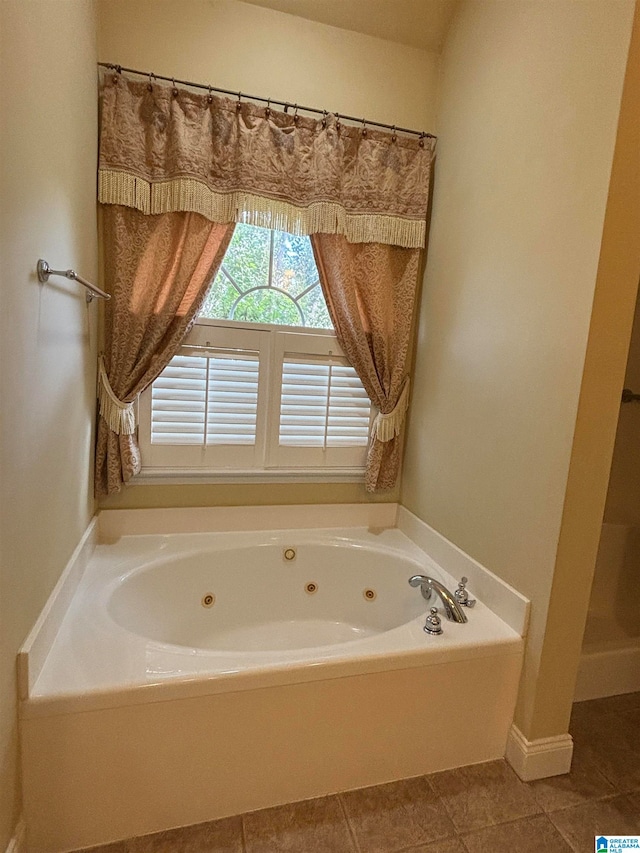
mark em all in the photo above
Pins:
pixel 386 427
pixel 120 416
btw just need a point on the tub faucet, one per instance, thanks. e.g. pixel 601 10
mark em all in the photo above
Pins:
pixel 452 609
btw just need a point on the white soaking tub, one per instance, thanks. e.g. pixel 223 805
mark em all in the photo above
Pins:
pixel 196 676
pixel 255 596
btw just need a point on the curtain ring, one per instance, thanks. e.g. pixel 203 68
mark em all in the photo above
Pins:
pixel 393 134
pixel 286 107
pixel 238 103
pixel 338 122
pixel 174 91
pixel 296 117
pixel 267 112
pixel 364 128
pixel 324 118
pixel 210 96
pixel 421 140
pixel 150 83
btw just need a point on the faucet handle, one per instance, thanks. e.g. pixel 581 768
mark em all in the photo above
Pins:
pixel 433 625
pixel 462 596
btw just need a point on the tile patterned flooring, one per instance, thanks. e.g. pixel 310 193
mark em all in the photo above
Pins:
pixel 484 808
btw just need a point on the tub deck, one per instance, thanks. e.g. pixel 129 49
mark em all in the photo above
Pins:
pixel 94 663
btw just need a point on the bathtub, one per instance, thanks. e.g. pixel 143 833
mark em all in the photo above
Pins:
pixel 198 675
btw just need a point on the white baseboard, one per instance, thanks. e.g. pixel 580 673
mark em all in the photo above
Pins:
pixel 17 843
pixel 538 759
pixel 608 672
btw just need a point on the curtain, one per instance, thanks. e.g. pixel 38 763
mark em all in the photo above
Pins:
pixel 165 149
pixel 370 290
pixel 158 270
pixel 172 163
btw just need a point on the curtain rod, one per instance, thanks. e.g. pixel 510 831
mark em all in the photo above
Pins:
pixel 286 104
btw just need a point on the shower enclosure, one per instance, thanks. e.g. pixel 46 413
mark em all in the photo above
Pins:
pixel 610 661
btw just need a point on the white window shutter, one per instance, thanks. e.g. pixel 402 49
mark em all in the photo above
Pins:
pixel 303 403
pixel 232 399
pixel 349 409
pixel 244 399
pixel 178 402
pixel 217 390
pixel 322 405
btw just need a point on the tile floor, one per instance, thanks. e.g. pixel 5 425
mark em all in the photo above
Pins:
pixel 469 810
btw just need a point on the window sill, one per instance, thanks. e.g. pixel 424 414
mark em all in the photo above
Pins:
pixel 189 476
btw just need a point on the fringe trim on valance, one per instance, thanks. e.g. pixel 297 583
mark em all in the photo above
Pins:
pixel 120 417
pixel 386 427
pixel 188 194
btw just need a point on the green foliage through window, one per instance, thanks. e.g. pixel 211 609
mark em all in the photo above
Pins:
pixel 268 277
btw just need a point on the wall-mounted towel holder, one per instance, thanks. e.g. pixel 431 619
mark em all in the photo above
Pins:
pixel 44 271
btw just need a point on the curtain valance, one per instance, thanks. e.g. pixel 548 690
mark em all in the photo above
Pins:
pixel 164 149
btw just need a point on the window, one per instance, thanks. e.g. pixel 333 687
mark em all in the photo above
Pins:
pixel 268 277
pixel 260 385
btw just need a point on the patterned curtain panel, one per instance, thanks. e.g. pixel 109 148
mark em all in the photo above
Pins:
pixel 158 270
pixel 164 149
pixel 370 291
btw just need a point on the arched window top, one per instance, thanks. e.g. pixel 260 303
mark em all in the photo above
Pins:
pixel 268 277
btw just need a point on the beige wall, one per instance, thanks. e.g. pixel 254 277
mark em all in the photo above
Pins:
pixel 242 47
pixel 549 697
pixel 238 46
pixel 530 97
pixel 47 334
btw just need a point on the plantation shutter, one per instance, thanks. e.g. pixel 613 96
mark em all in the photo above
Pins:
pixel 323 404
pixel 239 399
pixel 232 399
pixel 203 400
pixel 178 402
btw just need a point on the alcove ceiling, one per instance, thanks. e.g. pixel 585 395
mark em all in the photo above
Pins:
pixel 418 23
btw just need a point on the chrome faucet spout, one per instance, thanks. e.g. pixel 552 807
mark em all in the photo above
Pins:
pixel 452 609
